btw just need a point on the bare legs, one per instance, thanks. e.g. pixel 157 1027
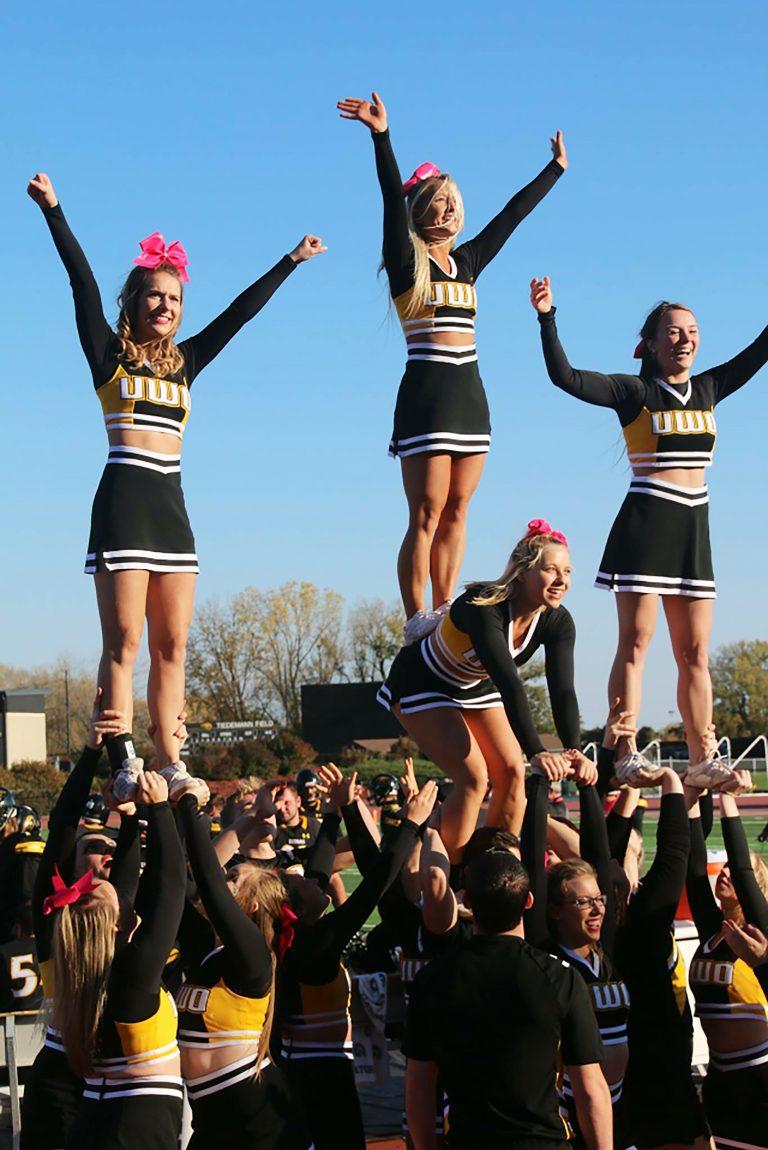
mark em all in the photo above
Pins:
pixel 438 489
pixel 471 747
pixel 125 599
pixel 690 623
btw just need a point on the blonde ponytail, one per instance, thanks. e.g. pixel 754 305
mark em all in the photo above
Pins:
pixel 83 950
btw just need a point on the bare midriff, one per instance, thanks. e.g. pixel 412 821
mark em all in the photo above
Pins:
pixel 615 1063
pixel 200 1060
pixel 728 1035
pixel 146 441
pixel 682 476
pixel 442 338
pixel 168 1068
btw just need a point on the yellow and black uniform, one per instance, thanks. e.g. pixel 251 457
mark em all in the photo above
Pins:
pixel 293 843
pixel 125 1102
pixel 21 983
pixel 728 991
pixel 52 1093
pixel 224 1003
pixel 470 662
pixel 607 989
pixel 441 404
pixel 20 855
pixel 659 542
pixel 493 1015
pixel 139 520
pixel 313 1007
pixel 659 1101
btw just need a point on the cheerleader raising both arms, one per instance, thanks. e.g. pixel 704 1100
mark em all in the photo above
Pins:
pixel 459 696
pixel 442 426
pixel 141 550
pixel 659 543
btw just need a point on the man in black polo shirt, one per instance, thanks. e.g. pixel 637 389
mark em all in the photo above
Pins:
pixel 490 1017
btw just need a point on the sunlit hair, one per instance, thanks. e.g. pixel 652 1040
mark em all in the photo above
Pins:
pixel 760 868
pixel 9 827
pixel 649 367
pixel 560 875
pixel 83 949
pixel 162 354
pixel 261 895
pixel 526 555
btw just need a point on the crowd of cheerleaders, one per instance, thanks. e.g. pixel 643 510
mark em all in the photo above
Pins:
pixel 545 990
pixel 455 684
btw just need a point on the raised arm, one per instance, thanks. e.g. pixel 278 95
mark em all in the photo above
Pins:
pixel 96 336
pixel 200 349
pixel 593 842
pixel 533 844
pixel 653 907
pixel 487 244
pixel 730 376
pixel 706 913
pixel 244 941
pixel 751 898
pixel 397 250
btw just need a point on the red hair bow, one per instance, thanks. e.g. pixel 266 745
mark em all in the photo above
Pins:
pixel 154 254
pixel 541 527
pixel 424 172
pixel 286 931
pixel 641 350
pixel 64 895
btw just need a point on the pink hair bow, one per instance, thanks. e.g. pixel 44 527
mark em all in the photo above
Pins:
pixel 423 172
pixel 541 527
pixel 154 254
pixel 64 895
pixel 285 931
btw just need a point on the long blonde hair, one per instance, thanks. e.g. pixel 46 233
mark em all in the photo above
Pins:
pixel 83 949
pixel 161 354
pixel 760 868
pixel 526 555
pixel 264 888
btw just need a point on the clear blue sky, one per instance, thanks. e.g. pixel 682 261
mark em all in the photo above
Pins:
pixel 217 126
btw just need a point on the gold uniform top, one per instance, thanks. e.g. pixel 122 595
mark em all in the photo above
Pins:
pixel 124 1046
pixel 727 989
pixel 141 402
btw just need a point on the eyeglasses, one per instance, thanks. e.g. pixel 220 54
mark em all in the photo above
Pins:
pixel 584 901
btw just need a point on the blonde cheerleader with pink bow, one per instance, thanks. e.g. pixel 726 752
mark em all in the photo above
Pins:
pixel 442 429
pixel 141 551
pixel 459 695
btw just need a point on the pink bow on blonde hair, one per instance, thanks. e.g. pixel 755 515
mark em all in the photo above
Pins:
pixel 154 254
pixel 423 172
pixel 541 527
pixel 64 895
pixel 286 931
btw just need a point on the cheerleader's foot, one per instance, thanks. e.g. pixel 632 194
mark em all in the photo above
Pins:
pixel 125 780
pixel 423 623
pixel 711 774
pixel 637 771
pixel 180 782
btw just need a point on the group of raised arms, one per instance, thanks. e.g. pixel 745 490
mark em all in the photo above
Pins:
pixel 204 964
pixel 454 686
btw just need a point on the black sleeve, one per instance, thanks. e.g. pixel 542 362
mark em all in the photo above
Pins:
pixel 320 856
pixel 334 931
pixel 242 939
pixel 419 1024
pixel 730 376
pixel 580 1038
pixel 558 656
pixel 751 899
pixel 397 250
pixel 96 336
pixel 594 849
pixel 487 244
pixel 364 846
pixel 137 971
pixel 606 757
pixel 623 393
pixel 706 913
pixel 533 845
pixel 126 862
pixel 60 844
pixel 486 627
pixel 653 907
pixel 200 349
pixel 196 937
pixel 619 829
pixel 707 810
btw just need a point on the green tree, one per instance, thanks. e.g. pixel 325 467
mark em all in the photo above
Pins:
pixel 532 675
pixel 740 686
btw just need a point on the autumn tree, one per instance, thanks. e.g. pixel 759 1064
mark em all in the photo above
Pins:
pixel 740 687
pixel 375 635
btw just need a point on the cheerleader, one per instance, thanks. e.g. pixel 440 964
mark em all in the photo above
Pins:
pixel 53 1091
pixel 659 543
pixel 459 695
pixel 731 1001
pixel 226 1005
pixel 314 987
pixel 442 427
pixel 141 551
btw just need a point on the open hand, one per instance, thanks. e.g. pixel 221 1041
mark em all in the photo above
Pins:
pixel 310 246
pixel 552 766
pixel 619 725
pixel 103 723
pixel 558 149
pixel 584 770
pixel 419 808
pixel 371 112
pixel 541 295
pixel 408 779
pixel 40 189
pixel 152 789
pixel 747 941
pixel 128 808
pixel 340 790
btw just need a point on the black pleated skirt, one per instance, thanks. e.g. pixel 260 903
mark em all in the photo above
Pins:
pixel 659 542
pixel 441 408
pixel 139 521
pixel 416 687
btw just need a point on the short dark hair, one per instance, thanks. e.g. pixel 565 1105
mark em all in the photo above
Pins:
pixel 496 886
pixel 489 838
